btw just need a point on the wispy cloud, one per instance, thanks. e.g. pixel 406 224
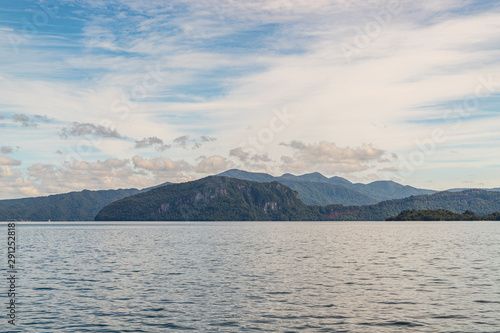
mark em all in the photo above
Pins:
pixel 8 149
pixel 239 153
pixel 181 141
pixel 89 130
pixel 160 164
pixel 152 142
pixel 5 160
pixel 327 156
pixel 213 164
pixel 205 138
pixel 23 120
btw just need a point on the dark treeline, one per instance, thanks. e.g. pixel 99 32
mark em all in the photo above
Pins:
pixel 442 215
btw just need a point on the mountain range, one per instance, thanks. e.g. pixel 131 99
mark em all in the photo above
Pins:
pixel 332 198
pixel 218 198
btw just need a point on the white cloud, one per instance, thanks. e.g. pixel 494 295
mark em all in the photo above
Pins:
pixel 4 160
pixel 328 152
pixel 213 165
pixel 330 158
pixel 111 173
pixel 5 171
pixel 160 164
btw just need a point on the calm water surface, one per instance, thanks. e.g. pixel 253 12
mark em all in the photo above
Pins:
pixel 251 277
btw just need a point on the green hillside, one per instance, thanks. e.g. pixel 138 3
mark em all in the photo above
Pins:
pixel 482 202
pixel 74 206
pixel 442 215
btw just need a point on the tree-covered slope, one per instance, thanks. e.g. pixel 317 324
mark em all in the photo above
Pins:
pixel 74 206
pixel 312 193
pixel 382 190
pixel 12 202
pixel 479 201
pixel 442 215
pixel 211 199
pixel 313 189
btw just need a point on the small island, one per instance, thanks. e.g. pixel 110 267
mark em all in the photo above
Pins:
pixel 442 215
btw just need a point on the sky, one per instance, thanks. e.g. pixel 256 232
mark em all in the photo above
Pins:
pixel 98 94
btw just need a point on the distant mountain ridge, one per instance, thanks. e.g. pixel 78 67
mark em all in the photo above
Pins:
pixel 461 189
pixel 335 190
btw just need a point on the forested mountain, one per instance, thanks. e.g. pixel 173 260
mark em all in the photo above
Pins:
pixel 74 206
pixel 314 193
pixel 211 199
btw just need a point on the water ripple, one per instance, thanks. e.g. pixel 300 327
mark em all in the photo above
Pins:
pixel 260 277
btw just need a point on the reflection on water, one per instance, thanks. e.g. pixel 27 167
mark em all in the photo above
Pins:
pixel 269 277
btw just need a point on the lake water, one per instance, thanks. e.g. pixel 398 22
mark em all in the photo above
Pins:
pixel 257 277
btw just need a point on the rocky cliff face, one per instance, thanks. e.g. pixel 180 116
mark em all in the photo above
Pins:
pixel 206 195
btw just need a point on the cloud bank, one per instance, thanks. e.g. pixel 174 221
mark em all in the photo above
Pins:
pixel 183 89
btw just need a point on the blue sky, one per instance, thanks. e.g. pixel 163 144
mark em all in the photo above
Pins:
pixel 116 94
